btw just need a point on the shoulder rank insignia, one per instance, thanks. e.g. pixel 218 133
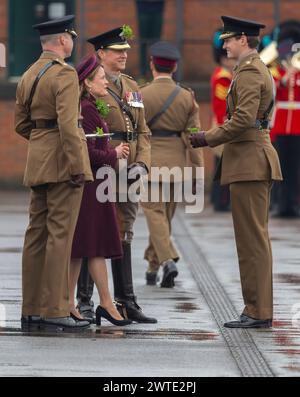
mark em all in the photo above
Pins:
pixel 126 75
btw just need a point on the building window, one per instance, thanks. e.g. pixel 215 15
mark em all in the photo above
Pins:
pixel 150 16
pixel 24 44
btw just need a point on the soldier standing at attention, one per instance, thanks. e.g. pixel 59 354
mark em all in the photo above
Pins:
pixel 170 111
pixel 47 113
pixel 249 164
pixel 126 120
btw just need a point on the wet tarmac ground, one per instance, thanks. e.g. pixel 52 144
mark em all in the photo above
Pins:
pixel 188 339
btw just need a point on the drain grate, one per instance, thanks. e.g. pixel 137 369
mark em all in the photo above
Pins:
pixel 248 357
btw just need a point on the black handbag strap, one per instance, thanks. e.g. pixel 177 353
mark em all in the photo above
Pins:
pixel 123 106
pixel 166 105
pixel 36 81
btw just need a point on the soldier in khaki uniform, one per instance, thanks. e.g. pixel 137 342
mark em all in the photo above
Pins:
pixel 170 111
pixel 249 164
pixel 126 120
pixel 47 115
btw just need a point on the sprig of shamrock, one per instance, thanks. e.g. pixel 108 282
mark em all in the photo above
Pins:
pixel 127 32
pixel 193 130
pixel 99 131
pixel 102 108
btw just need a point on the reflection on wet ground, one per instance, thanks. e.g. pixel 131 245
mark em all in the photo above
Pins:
pixel 288 278
pixel 118 333
pixel 186 307
pixel 182 313
pixel 11 250
pixel 281 344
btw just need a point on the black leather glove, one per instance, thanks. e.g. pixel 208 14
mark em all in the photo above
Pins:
pixel 198 139
pixel 77 180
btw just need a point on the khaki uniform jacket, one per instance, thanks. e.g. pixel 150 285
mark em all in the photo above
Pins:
pixel 118 121
pixel 53 154
pixel 248 152
pixel 181 115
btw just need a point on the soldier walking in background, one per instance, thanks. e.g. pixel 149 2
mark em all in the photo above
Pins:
pixel 47 115
pixel 171 110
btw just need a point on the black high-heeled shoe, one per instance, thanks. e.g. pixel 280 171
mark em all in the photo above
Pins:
pixel 101 312
pixel 80 319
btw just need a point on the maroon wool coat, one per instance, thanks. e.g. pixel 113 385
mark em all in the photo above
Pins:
pixel 97 232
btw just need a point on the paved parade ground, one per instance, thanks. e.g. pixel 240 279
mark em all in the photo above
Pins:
pixel 189 339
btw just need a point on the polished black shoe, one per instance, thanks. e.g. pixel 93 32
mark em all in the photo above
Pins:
pixel 80 319
pixel 30 323
pixel 152 278
pixel 63 324
pixel 248 322
pixel 133 312
pixel 87 310
pixel 101 312
pixel 169 273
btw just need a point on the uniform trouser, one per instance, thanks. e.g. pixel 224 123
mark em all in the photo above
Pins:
pixel 126 215
pixel 288 195
pixel 250 211
pixel 53 210
pixel 159 216
pixel 220 196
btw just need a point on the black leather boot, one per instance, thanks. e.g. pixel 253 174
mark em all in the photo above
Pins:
pixel 123 288
pixel 151 278
pixel 85 289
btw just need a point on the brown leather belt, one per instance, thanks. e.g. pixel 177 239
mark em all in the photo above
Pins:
pixel 164 133
pixel 48 124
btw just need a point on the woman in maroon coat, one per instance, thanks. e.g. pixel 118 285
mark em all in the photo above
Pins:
pixel 96 236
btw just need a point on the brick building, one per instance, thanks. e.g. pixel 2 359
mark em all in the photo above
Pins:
pixel 188 23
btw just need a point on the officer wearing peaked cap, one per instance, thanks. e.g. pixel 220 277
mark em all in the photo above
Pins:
pixel 47 115
pixel 249 165
pixel 170 111
pixel 126 120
